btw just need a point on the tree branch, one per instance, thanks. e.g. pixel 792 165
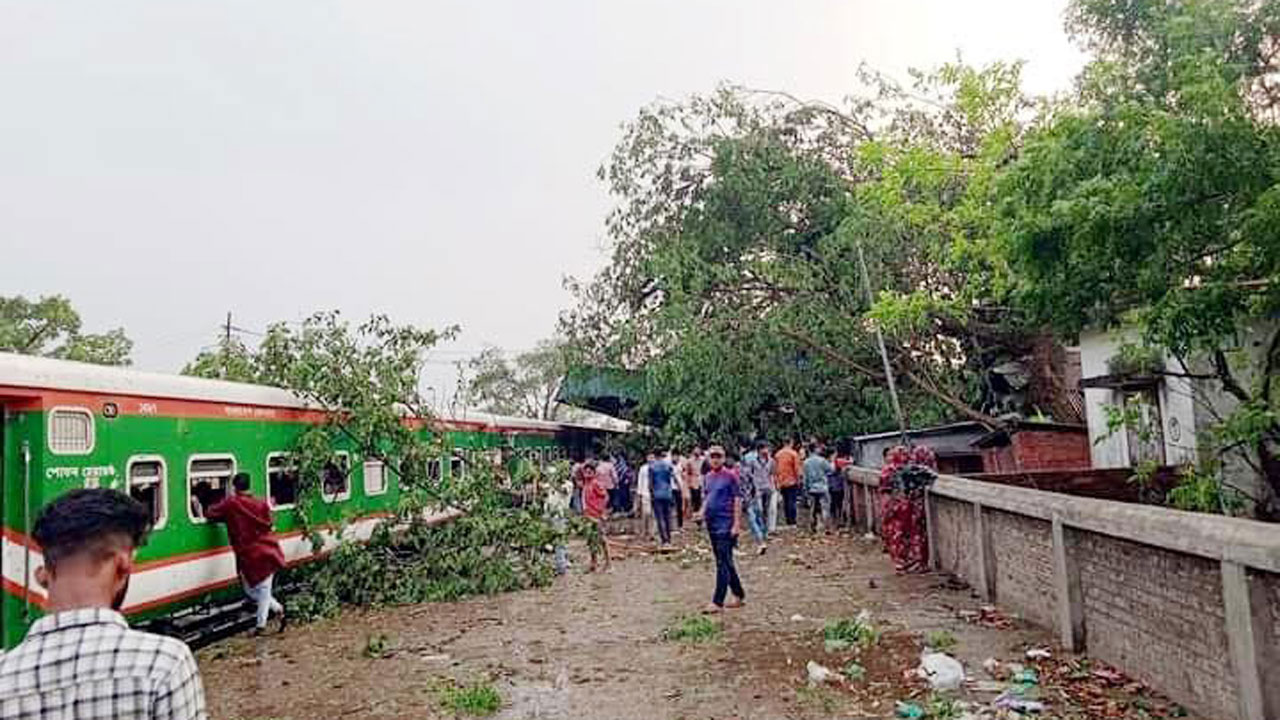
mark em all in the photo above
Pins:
pixel 1223 371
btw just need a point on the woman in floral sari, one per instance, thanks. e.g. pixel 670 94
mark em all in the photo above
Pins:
pixel 903 479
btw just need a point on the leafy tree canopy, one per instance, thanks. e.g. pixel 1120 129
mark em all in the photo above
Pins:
pixel 526 385
pixel 740 220
pixel 50 327
pixel 1151 197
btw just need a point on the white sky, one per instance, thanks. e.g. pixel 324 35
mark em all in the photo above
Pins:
pixel 163 162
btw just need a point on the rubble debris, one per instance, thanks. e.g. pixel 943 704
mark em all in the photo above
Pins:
pixel 942 671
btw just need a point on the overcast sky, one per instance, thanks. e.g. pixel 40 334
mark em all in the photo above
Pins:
pixel 164 162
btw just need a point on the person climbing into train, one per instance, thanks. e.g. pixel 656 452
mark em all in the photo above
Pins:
pixel 81 659
pixel 258 554
pixel 721 514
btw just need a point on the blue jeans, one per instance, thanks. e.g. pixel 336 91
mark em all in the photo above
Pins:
pixel 662 516
pixel 756 521
pixel 726 574
pixel 820 510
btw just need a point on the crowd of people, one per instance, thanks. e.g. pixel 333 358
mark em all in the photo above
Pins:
pixel 718 490
pixel 83 660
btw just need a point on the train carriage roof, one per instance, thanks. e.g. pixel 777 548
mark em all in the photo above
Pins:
pixel 37 373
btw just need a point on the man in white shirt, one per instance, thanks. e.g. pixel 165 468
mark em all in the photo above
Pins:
pixel 646 499
pixel 82 660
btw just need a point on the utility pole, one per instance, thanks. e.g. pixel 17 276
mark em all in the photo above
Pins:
pixel 226 346
pixel 884 354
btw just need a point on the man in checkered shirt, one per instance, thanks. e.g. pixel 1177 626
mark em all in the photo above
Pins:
pixel 81 661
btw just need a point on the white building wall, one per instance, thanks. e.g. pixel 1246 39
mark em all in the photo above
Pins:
pixel 1177 405
pixel 1106 450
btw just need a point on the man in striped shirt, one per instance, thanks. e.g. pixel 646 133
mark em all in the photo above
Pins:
pixel 82 661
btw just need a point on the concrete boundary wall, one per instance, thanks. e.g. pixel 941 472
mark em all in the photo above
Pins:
pixel 1186 602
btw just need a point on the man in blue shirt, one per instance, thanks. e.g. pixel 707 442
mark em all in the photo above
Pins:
pixel 817 469
pixel 721 510
pixel 661 475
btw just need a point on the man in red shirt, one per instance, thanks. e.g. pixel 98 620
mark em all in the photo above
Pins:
pixel 258 555
pixel 594 507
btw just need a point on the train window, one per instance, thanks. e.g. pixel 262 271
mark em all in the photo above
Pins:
pixel 208 478
pixel 335 483
pixel 70 431
pixel 457 464
pixel 282 481
pixel 375 477
pixel 147 485
pixel 435 470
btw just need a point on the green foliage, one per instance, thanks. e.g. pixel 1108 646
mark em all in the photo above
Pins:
pixel 1152 196
pixel 735 282
pixel 854 671
pixel 526 385
pixel 367 379
pixel 499 544
pixel 940 640
pixel 695 629
pixel 50 327
pixel 941 707
pixel 1200 491
pixel 854 632
pixel 1137 360
pixel 478 699
pixel 378 646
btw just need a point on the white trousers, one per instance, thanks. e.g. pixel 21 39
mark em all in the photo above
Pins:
pixel 261 594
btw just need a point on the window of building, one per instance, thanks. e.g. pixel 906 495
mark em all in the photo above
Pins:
pixel 208 478
pixel 335 482
pixel 375 477
pixel 70 431
pixel 282 481
pixel 458 464
pixel 435 470
pixel 146 474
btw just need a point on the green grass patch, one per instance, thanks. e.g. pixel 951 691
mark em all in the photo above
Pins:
pixel 378 646
pixel 847 633
pixel 692 629
pixel 478 699
pixel 821 699
pixel 943 708
pixel 940 640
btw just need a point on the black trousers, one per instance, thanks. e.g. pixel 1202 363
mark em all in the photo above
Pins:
pixel 726 574
pixel 789 496
pixel 662 515
pixel 695 499
pixel 837 508
pixel 679 505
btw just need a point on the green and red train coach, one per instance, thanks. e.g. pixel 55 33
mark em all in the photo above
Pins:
pixel 171 441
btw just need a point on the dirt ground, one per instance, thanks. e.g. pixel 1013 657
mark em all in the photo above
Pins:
pixel 592 646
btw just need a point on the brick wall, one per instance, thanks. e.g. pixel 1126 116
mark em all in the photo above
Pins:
pixel 1030 449
pixel 957 551
pixel 1039 450
pixel 1153 605
pixel 1159 615
pixel 1024 564
pixel 1267 592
